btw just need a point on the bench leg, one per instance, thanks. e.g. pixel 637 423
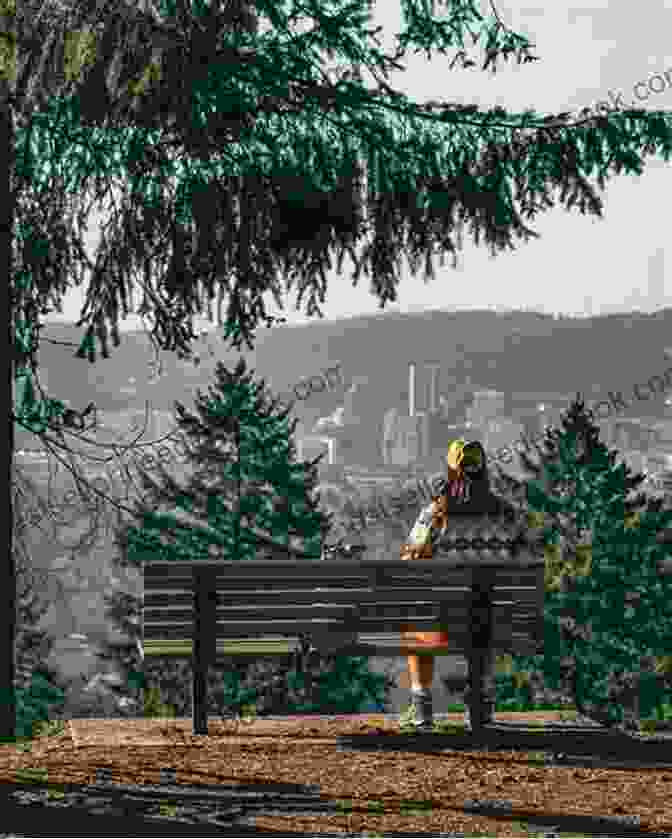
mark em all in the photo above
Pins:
pixel 480 694
pixel 199 700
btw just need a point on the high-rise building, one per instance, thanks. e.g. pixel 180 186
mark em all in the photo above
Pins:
pixel 656 278
pixel 423 387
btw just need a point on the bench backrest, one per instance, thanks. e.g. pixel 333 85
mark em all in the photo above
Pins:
pixel 247 606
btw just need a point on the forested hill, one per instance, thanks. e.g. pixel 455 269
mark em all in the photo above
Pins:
pixel 511 351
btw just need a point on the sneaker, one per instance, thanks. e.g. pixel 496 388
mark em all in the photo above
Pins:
pixel 422 706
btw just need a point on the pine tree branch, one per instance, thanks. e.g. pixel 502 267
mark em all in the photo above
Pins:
pixel 249 535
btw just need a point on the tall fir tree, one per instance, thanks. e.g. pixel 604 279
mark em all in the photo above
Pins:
pixel 607 532
pixel 245 481
pixel 567 552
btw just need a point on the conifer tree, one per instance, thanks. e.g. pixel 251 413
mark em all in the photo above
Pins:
pixel 608 573
pixel 566 552
pixel 245 480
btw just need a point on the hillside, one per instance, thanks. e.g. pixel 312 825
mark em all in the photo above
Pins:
pixel 510 351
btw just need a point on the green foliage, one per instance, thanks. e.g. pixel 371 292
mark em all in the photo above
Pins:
pixel 342 685
pixel 607 611
pixel 330 685
pixel 293 144
pixel 33 704
pixel 30 411
pixel 153 707
pixel 227 685
pixel 245 482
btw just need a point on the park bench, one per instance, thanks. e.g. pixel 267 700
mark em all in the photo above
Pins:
pixel 488 596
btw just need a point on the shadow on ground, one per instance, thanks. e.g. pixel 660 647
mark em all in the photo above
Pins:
pixel 572 747
pixel 121 810
pixel 599 746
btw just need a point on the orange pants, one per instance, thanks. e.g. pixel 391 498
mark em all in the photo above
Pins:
pixel 421 670
pixel 421 666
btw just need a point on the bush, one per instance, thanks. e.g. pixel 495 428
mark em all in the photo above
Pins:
pixel 37 685
pixel 33 703
pixel 153 706
pixel 521 688
pixel 342 685
pixel 328 685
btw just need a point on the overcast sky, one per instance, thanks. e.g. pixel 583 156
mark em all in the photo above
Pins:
pixel 588 53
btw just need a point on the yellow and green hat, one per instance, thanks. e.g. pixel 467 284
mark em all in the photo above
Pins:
pixel 461 454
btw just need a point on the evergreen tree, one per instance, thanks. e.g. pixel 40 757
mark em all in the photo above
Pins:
pixel 550 469
pixel 245 480
pixel 609 564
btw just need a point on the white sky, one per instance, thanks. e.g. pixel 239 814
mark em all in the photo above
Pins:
pixel 581 265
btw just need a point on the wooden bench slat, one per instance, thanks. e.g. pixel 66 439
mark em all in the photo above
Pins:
pixel 235 586
pixel 239 627
pixel 279 568
pixel 287 643
pixel 360 595
pixel 456 609
pixel 177 633
pixel 399 585
pixel 412 576
pixel 525 596
pixel 392 648
pixel 458 602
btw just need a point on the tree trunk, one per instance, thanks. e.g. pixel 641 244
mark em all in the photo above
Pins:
pixel 7 575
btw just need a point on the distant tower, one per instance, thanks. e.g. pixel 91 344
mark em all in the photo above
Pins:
pixel 423 387
pixel 656 279
pixel 434 369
